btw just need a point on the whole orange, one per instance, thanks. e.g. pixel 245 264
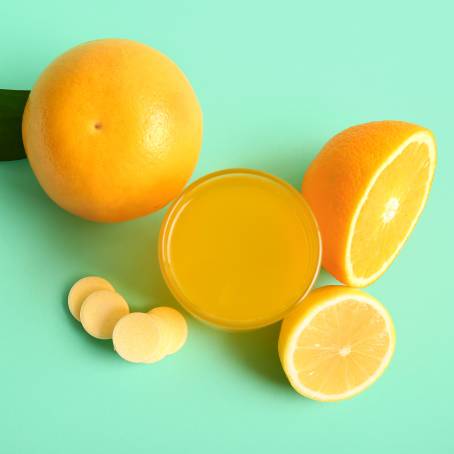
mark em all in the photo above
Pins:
pixel 112 130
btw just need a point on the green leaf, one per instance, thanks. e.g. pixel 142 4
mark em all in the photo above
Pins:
pixel 12 103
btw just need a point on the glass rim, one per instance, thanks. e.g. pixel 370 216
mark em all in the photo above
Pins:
pixel 167 270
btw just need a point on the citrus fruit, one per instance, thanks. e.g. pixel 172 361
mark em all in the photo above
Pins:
pixel 138 338
pixel 336 343
pixel 176 328
pixel 112 130
pixel 100 312
pixel 367 188
pixel 81 289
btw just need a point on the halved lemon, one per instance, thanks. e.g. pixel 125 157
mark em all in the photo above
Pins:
pixel 336 343
pixel 367 189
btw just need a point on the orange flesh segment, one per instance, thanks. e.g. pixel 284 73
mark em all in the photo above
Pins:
pixel 341 348
pixel 176 328
pixel 81 289
pixel 390 210
pixel 138 338
pixel 100 311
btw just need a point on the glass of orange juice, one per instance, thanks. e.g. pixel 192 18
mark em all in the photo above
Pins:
pixel 239 249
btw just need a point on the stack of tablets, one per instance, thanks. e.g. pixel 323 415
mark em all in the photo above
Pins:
pixel 137 337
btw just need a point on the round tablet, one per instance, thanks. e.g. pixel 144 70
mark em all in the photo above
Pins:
pixel 176 327
pixel 240 248
pixel 81 289
pixel 100 312
pixel 138 338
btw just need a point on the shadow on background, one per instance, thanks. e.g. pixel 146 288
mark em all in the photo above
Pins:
pixel 324 278
pixel 257 352
pixel 127 255
pixel 287 162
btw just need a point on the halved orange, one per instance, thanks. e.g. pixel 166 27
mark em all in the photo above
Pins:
pixel 336 343
pixel 367 189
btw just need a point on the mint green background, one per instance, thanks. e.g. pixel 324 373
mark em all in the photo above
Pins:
pixel 275 80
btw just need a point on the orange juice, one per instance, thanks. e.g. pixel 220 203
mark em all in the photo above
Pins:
pixel 239 249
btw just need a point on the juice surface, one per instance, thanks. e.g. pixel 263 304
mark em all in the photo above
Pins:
pixel 239 248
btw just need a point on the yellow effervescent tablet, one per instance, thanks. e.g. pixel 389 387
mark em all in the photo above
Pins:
pixel 138 338
pixel 81 289
pixel 101 311
pixel 177 328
